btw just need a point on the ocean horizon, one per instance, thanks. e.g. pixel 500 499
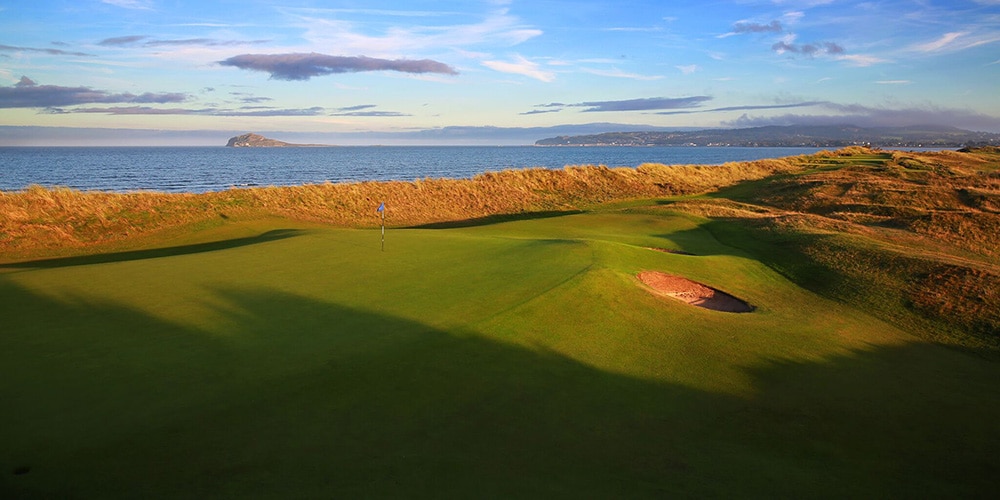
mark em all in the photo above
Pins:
pixel 194 169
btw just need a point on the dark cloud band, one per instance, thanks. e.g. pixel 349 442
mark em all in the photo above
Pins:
pixel 121 40
pixel 646 104
pixel 133 40
pixel 808 48
pixel 28 94
pixel 305 66
pixel 751 107
pixel 54 52
pixel 773 27
pixel 147 110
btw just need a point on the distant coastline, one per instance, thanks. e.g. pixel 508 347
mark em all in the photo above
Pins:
pixel 835 136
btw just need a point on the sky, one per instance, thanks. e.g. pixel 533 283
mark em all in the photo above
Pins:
pixel 485 72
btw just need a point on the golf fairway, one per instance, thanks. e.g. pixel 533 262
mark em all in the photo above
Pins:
pixel 275 358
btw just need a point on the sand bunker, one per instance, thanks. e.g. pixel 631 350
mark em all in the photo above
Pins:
pixel 693 293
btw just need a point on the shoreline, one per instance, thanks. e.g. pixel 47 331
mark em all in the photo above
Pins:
pixel 201 169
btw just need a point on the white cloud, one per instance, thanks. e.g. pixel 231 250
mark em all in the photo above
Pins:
pixel 688 69
pixel 558 62
pixel 521 66
pixel 893 82
pixel 942 42
pixel 617 73
pixel 794 16
pixel 860 59
pixel 958 40
pixel 496 28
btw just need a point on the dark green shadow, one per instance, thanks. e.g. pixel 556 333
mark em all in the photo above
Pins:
pixel 496 219
pixel 104 258
pixel 308 399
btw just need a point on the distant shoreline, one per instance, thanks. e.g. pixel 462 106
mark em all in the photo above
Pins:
pixel 836 136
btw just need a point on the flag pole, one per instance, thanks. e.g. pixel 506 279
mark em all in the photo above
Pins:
pixel 381 210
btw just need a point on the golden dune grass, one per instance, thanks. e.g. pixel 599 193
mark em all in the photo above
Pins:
pixel 40 218
pixel 947 196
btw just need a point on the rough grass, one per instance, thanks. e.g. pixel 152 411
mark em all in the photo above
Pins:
pixel 39 218
pixel 911 236
pixel 943 197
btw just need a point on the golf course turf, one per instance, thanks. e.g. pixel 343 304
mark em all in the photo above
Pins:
pixel 273 357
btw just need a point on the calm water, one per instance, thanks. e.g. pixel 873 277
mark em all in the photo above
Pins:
pixel 201 169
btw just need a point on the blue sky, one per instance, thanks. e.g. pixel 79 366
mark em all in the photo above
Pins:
pixel 494 71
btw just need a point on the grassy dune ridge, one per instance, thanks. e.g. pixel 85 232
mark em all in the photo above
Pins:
pixel 259 344
pixel 912 236
pixel 39 218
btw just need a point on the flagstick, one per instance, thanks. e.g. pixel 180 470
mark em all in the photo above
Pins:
pixel 381 209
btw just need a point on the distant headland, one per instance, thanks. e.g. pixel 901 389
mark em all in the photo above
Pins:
pixel 790 136
pixel 258 141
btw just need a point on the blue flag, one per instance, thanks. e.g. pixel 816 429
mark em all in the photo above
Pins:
pixel 381 207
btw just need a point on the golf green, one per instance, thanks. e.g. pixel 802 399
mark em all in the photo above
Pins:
pixel 275 358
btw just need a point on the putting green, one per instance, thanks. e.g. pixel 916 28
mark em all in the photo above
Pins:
pixel 278 359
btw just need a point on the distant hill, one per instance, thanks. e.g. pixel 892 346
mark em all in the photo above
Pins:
pixel 259 141
pixel 790 136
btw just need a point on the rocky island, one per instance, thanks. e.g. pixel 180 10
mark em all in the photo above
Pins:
pixel 258 141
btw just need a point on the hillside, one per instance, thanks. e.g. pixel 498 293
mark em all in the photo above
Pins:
pixel 887 231
pixel 789 136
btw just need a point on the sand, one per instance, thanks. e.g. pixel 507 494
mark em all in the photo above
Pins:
pixel 692 292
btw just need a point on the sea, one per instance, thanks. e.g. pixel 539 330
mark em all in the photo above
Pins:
pixel 205 169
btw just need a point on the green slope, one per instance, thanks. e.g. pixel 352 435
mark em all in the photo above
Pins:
pixel 276 359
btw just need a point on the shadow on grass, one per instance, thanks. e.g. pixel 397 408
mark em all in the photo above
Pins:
pixel 496 219
pixel 310 399
pixel 80 260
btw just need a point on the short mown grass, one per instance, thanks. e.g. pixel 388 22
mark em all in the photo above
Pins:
pixel 520 358
pixel 241 345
